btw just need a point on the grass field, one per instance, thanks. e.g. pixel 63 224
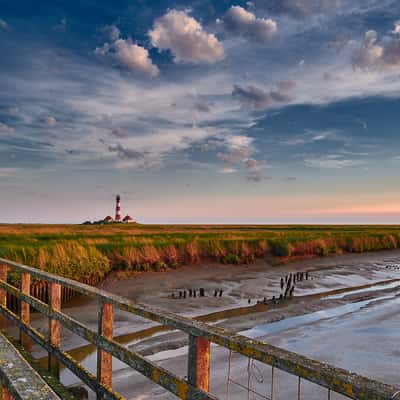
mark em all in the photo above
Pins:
pixel 92 251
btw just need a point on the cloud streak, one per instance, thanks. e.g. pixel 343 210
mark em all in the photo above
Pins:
pixel 332 161
pixel 4 128
pixel 3 25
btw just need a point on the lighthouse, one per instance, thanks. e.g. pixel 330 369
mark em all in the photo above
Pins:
pixel 118 209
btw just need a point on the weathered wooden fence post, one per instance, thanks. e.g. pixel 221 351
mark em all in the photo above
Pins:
pixel 25 309
pixel 5 394
pixel 199 363
pixel 54 326
pixel 3 297
pixel 104 359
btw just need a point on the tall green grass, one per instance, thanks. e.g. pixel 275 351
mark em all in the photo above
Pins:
pixel 81 253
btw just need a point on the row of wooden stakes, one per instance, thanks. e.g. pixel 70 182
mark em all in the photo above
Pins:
pixel 40 290
pixel 182 294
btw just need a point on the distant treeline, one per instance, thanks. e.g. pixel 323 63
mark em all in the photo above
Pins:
pixel 90 253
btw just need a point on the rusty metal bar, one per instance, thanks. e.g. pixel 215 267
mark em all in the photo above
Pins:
pixel 25 309
pixel 3 296
pixel 339 380
pixel 54 327
pixel 199 363
pixel 105 329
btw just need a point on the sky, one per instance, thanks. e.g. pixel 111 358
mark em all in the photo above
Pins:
pixel 211 111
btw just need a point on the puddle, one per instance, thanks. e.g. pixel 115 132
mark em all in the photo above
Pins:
pixel 391 285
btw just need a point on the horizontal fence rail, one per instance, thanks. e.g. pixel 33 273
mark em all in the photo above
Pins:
pixel 19 380
pixel 196 386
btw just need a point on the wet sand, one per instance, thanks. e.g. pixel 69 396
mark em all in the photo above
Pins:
pixel 239 283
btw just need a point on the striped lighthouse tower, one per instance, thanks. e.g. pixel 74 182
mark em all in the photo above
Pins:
pixel 118 209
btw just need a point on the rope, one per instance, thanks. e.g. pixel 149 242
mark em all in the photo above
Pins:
pixel 248 378
pixel 255 367
pixel 251 367
pixel 229 375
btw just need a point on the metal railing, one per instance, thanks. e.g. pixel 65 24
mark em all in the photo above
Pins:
pixel 201 335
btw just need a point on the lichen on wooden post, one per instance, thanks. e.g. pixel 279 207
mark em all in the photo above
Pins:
pixel 54 326
pixel 3 297
pixel 199 363
pixel 25 309
pixel 104 359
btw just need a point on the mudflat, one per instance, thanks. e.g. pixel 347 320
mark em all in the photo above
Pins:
pixel 337 287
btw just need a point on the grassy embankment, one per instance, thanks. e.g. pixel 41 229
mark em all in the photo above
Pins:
pixel 82 252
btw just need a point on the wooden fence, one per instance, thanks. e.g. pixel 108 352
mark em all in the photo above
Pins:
pixel 201 335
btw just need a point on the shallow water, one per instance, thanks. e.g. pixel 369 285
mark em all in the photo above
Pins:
pixel 363 341
pixel 89 356
pixel 361 337
pixel 290 332
pixel 391 285
pixel 302 320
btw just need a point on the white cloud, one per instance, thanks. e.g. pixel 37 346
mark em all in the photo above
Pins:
pixel 185 37
pixel 61 26
pixel 312 137
pixel 304 8
pixel 252 164
pixel 238 21
pixel 111 32
pixel 227 170
pixel 51 121
pixel 258 98
pixel 149 150
pixel 14 111
pixel 238 149
pixel 8 172
pixel 3 24
pixel 135 57
pixel 4 128
pixel 370 53
pixel 130 55
pixel 375 53
pixel 238 141
pixel 396 29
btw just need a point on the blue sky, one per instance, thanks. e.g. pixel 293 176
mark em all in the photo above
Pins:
pixel 272 111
